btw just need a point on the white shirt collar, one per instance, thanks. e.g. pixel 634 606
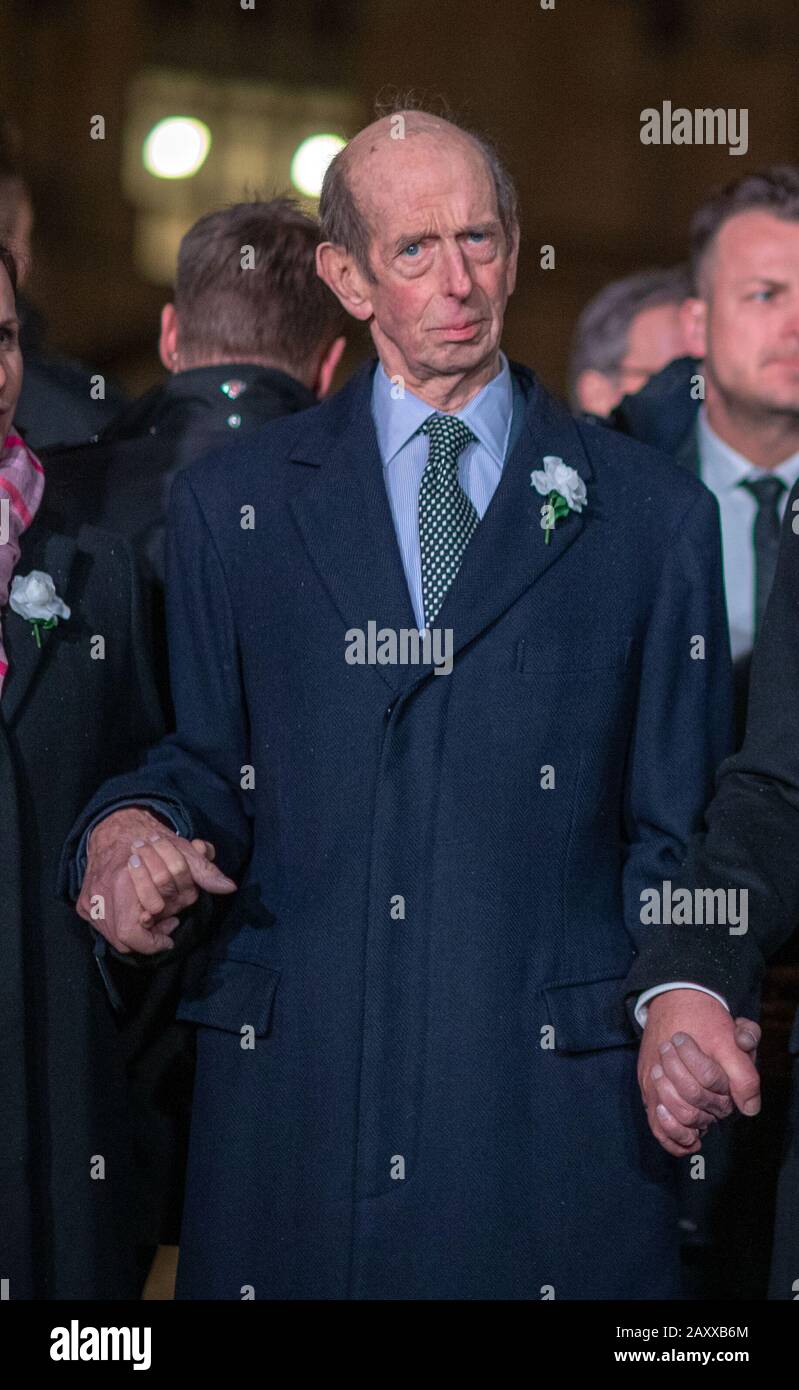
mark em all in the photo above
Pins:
pixel 723 468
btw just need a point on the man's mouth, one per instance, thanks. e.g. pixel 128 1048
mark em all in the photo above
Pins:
pixel 458 330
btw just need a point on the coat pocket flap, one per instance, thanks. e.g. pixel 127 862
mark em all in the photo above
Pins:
pixel 233 994
pixel 589 1015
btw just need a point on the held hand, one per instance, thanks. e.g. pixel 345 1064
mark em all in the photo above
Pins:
pixel 693 1067
pixel 141 875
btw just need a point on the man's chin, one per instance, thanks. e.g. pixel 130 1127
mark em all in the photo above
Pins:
pixel 452 357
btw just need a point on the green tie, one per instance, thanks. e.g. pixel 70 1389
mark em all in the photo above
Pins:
pixel 447 518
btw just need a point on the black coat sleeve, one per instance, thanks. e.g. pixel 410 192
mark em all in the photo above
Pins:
pixel 751 836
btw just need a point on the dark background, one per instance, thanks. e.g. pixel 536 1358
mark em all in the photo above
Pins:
pixel 561 92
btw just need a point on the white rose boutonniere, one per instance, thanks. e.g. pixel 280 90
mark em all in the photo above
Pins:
pixel 34 598
pixel 563 488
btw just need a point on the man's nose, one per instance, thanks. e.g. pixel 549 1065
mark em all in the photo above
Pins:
pixel 456 275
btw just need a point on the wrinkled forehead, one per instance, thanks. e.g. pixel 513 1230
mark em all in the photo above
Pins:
pixel 436 177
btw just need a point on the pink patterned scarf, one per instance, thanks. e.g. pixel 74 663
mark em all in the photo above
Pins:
pixel 21 488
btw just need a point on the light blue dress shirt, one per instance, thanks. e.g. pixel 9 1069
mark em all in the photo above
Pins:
pixel 403 451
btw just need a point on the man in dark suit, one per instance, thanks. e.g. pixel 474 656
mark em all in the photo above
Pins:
pixel 77 704
pixel 438 715
pixel 722 412
pixel 751 844
pixel 742 439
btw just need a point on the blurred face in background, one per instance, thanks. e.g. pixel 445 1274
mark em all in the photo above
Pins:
pixel 10 355
pixel 655 338
pixel 746 323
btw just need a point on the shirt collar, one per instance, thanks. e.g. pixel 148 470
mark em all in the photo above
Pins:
pixel 723 468
pixel 488 414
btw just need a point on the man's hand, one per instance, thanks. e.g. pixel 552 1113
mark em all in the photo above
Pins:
pixel 694 1067
pixel 139 876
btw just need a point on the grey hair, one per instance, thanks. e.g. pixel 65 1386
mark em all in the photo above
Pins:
pixel 344 223
pixel 600 338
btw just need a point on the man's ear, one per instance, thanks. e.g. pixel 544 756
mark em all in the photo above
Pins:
pixel 513 259
pixel 340 273
pixel 596 392
pixel 693 318
pixel 327 367
pixel 168 341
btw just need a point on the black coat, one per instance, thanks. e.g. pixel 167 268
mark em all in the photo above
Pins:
pixel 66 721
pixel 752 841
pixel 122 481
pixel 377 1111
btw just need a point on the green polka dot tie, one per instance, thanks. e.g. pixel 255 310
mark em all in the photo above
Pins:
pixel 447 518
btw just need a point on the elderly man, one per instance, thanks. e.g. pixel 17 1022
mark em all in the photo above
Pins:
pixel 415 1072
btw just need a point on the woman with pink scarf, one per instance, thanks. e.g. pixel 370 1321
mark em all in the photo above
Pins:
pixel 76 706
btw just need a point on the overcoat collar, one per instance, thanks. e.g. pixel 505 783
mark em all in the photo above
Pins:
pixel 346 524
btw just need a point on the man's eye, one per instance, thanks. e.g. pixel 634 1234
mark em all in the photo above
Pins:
pixel 763 294
pixel 8 337
pixel 477 236
pixel 412 249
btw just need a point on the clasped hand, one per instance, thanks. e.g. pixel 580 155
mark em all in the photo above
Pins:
pixel 139 876
pixel 696 1066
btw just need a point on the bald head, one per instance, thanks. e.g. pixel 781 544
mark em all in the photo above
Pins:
pixel 371 168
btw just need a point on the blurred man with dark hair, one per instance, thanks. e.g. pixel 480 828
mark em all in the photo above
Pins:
pixel 624 335
pixel 253 334
pixel 742 324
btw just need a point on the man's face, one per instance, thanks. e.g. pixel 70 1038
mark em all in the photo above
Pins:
pixel 747 325
pixel 655 338
pixel 442 266
pixel 10 355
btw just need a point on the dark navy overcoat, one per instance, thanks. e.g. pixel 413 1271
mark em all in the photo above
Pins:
pixel 416 1076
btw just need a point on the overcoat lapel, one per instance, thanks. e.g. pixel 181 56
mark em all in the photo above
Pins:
pixel 40 549
pixel 508 552
pixel 345 518
pixel 346 522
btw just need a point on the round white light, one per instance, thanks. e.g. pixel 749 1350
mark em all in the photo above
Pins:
pixel 310 160
pixel 176 147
